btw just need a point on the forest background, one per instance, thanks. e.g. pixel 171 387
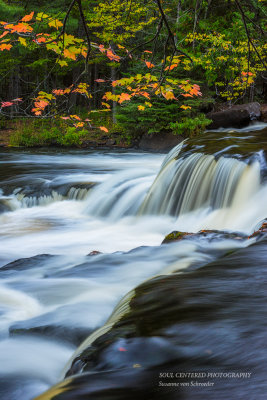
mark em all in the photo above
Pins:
pixel 75 72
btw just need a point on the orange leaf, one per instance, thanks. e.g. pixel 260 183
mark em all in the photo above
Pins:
pixel 102 48
pixel 28 17
pixel 68 54
pixel 5 47
pixel 147 51
pixel 22 28
pixel 100 80
pixel 112 56
pixel 76 117
pixel 124 97
pixel 149 64
pixel 4 34
pixel 145 94
pixel 58 92
pixel 103 128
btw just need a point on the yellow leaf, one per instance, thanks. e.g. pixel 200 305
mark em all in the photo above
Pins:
pixel 185 107
pixel 23 41
pixel 55 23
pixel 168 95
pixel 141 108
pixel 62 63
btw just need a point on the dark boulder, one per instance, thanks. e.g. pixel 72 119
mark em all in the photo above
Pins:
pixel 210 321
pixel 264 112
pixel 237 116
pixel 159 142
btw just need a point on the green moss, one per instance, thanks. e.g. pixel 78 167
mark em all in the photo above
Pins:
pixel 174 236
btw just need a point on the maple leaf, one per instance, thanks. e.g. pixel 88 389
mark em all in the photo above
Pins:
pixel 5 47
pixel 28 17
pixel 62 63
pixel 58 92
pixel 4 34
pixel 100 80
pixel 124 97
pixel 21 27
pixel 145 94
pixel 185 107
pixel 68 54
pixel 112 56
pixel 41 104
pixel 79 125
pixel 102 48
pixel 141 108
pixel 147 51
pixel 169 95
pixel 76 117
pixel 41 40
pixel 55 23
pixel 65 118
pixel 105 105
pixel 16 100
pixel 187 95
pixel 149 64
pixel 103 128
pixel 23 41
pixel 122 349
pixel 6 104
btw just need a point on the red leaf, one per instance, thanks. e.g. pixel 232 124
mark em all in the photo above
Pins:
pixel 100 80
pixel 122 349
pixel 6 104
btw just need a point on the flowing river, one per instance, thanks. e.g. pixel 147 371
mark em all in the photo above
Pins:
pixel 88 291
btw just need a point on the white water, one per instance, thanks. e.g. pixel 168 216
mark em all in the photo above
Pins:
pixel 123 211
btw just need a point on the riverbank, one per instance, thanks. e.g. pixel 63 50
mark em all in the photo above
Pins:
pixel 38 133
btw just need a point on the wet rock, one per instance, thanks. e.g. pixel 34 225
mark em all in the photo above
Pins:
pixel 26 263
pixel 110 142
pixel 3 206
pixel 160 142
pixel 237 116
pixel 208 321
pixel 211 234
pixel 264 112
pixel 50 326
pixel 176 236
pixel 94 253
pixel 261 231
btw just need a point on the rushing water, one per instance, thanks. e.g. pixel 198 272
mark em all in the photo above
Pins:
pixel 58 207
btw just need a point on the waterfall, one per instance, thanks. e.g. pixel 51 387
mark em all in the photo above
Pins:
pixel 200 181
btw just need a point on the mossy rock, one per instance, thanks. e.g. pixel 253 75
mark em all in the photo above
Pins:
pixel 175 236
